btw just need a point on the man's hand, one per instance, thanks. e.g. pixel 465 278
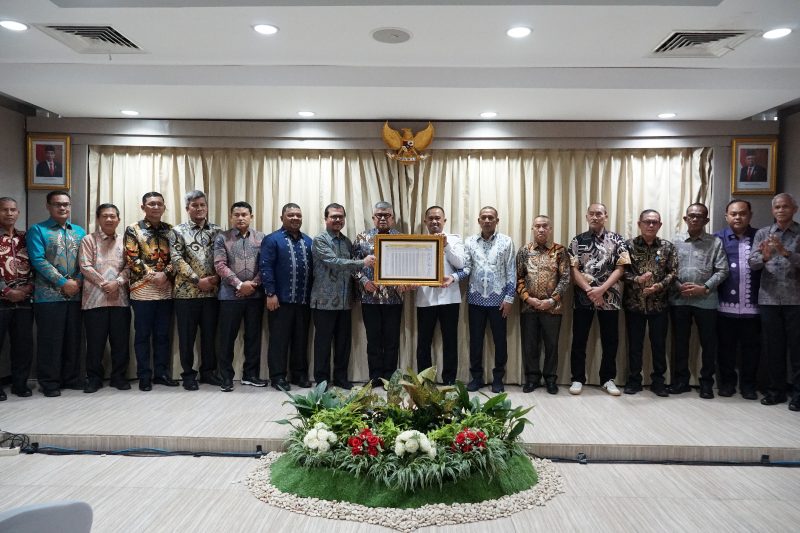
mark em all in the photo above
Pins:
pixel 248 288
pixel 370 286
pixel 160 279
pixel 448 280
pixel 110 287
pixel 689 290
pixel 16 295
pixel 71 287
pixel 595 294
pixel 652 289
pixel 272 303
pixel 505 309
pixel 207 283
pixel 644 278
pixel 369 261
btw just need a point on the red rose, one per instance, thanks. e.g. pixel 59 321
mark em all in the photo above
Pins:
pixel 372 451
pixel 481 444
pixel 372 440
pixel 354 442
pixel 460 438
pixel 356 451
pixel 471 435
pixel 467 448
pixel 481 434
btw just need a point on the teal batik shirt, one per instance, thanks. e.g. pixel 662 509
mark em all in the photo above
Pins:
pixel 53 253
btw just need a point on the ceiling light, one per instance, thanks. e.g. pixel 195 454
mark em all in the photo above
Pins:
pixel 13 25
pixel 777 33
pixel 306 114
pixel 518 32
pixel 266 29
pixel 129 112
pixel 488 114
pixel 667 115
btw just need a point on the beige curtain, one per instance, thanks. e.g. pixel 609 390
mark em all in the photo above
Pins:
pixel 519 183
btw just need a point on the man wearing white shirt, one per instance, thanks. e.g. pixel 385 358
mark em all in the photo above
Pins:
pixel 441 303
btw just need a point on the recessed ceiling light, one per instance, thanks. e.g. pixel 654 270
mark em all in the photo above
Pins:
pixel 667 115
pixel 518 32
pixel 488 114
pixel 129 112
pixel 13 25
pixel 266 29
pixel 305 114
pixel 777 33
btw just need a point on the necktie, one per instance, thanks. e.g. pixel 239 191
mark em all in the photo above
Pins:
pixel 50 164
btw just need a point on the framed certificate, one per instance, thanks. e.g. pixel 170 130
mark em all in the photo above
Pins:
pixel 409 259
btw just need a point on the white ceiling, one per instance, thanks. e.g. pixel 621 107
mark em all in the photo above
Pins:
pixel 585 60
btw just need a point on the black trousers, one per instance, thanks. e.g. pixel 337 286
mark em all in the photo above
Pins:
pixel 609 339
pixel 58 340
pixel 447 316
pixel 382 324
pixel 231 314
pixel 537 329
pixel 657 325
pixel 288 336
pixel 191 314
pixel 780 325
pixel 112 324
pixel 331 327
pixel 478 316
pixel 17 322
pixel 152 325
pixel 742 337
pixel 706 321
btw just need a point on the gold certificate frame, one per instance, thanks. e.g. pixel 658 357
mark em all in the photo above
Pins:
pixel 409 259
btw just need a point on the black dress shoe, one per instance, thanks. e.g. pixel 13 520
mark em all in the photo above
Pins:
pixel 190 384
pixel 771 399
pixel 659 390
pixel 726 392
pixel 164 379
pixel 227 385
pixel 706 393
pixel 497 386
pixel 632 389
pixel 145 384
pixel 121 385
pixel 74 385
pixel 678 388
pixel 211 379
pixel 3 396
pixel 749 395
pixel 51 393
pixel 303 383
pixel 794 405
pixel 22 392
pixel 346 385
pixel 552 388
pixel 530 386
pixel 281 385
pixel 475 385
pixel 92 386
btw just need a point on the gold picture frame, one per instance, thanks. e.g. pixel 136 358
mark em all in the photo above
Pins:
pixel 754 164
pixel 409 259
pixel 48 161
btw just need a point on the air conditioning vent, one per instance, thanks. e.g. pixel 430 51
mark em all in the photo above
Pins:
pixel 86 39
pixel 701 43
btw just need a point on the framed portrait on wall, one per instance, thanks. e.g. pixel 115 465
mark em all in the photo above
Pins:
pixel 754 166
pixel 48 161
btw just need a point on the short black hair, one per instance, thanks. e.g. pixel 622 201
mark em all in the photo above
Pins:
pixel 290 205
pixel 738 201
pixel 103 207
pixel 698 204
pixel 151 194
pixel 49 148
pixel 646 211
pixel 57 193
pixel 431 208
pixel 334 206
pixel 242 204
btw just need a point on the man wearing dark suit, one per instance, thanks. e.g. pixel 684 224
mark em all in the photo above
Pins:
pixel 752 171
pixel 49 167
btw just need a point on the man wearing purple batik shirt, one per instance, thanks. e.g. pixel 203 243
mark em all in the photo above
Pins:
pixel 738 321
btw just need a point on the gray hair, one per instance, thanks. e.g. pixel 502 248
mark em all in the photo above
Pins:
pixel 383 205
pixel 784 195
pixel 647 212
pixel 5 199
pixel 191 196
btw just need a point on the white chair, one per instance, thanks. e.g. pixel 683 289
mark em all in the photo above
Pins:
pixel 66 516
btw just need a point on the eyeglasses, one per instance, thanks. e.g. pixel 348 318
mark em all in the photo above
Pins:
pixel 650 222
pixel 382 216
pixel 61 205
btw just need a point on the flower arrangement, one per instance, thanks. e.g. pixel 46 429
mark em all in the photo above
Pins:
pixel 433 430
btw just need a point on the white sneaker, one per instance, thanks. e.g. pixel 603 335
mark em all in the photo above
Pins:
pixel 576 387
pixel 610 388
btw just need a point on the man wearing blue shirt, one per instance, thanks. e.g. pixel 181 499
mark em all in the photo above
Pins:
pixel 286 276
pixel 53 247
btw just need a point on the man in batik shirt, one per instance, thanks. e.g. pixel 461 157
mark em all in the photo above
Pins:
pixel 648 278
pixel 106 309
pixel 16 288
pixel 542 279
pixel 381 305
pixel 53 247
pixel 147 252
pixel 598 258
pixel 191 246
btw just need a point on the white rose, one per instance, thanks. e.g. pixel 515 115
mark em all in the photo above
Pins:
pixel 323 446
pixel 320 425
pixel 412 446
pixel 425 444
pixel 432 453
pixel 399 449
pixel 332 437
pixel 406 435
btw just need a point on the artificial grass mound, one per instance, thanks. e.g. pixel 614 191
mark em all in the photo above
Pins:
pixel 329 484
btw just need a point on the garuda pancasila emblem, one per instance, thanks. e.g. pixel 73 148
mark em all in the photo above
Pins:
pixel 407 146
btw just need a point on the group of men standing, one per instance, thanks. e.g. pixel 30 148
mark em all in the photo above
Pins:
pixel 737 286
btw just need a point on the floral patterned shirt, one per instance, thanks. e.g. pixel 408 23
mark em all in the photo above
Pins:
pixel 596 257
pixel 191 250
pixel 102 258
pixel 53 253
pixel 542 273
pixel 333 272
pixel 659 258
pixel 364 246
pixel 147 250
pixel 491 270
pixel 15 268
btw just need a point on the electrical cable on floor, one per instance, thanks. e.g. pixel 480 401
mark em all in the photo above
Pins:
pixel 13 440
pixel 581 458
